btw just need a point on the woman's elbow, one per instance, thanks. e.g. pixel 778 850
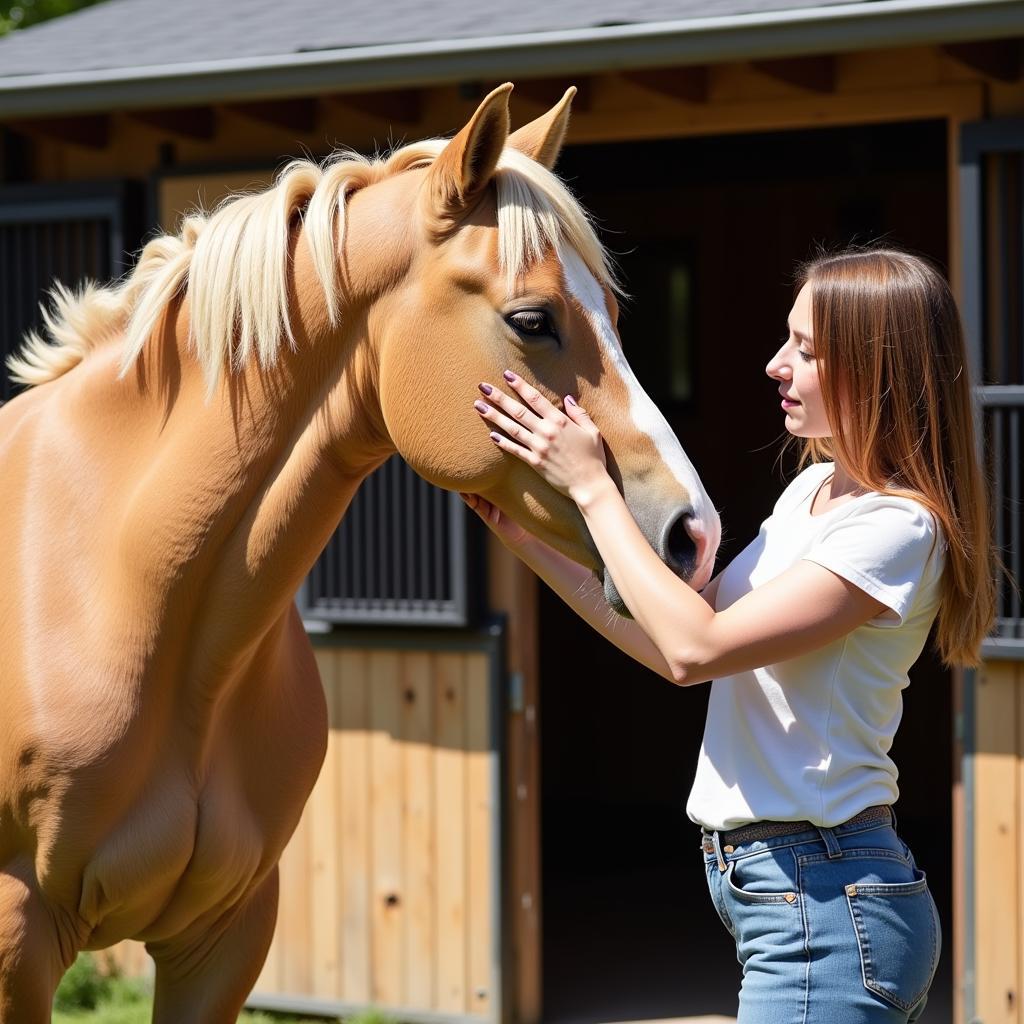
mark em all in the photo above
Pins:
pixel 688 668
pixel 684 669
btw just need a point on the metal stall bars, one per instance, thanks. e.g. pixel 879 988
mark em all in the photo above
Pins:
pixel 70 232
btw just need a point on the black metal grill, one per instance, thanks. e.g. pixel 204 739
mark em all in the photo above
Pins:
pixel 401 555
pixel 992 184
pixel 47 235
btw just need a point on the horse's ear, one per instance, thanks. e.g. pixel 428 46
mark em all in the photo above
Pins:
pixel 542 139
pixel 467 163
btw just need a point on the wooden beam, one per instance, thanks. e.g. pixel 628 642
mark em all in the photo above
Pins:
pixel 687 83
pixel 89 130
pixel 188 122
pixel 402 105
pixel 1001 59
pixel 297 115
pixel 657 120
pixel 814 74
pixel 546 92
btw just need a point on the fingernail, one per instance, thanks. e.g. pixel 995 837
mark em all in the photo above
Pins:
pixel 569 400
pixel 494 437
pixel 485 388
pixel 480 406
pixel 509 376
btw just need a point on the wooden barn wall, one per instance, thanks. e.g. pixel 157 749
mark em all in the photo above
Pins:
pixel 995 833
pixel 387 886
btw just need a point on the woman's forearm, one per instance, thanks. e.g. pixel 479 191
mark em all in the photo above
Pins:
pixel 579 589
pixel 674 617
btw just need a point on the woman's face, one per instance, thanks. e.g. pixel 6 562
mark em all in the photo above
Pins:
pixel 795 367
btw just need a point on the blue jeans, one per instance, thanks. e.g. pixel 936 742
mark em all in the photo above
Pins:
pixel 832 926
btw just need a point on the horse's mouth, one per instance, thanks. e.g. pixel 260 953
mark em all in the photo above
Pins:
pixel 611 593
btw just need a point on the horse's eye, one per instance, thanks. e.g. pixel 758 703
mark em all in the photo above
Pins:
pixel 534 323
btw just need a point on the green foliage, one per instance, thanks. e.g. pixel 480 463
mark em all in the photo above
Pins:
pixel 83 987
pixel 89 995
pixel 22 13
pixel 370 1016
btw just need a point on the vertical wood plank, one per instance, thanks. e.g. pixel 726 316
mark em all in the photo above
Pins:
pixel 325 864
pixel 420 867
pixel 353 760
pixel 480 812
pixel 388 892
pixel 960 848
pixel 128 958
pixel 269 979
pixel 1017 682
pixel 449 813
pixel 996 837
pixel 293 921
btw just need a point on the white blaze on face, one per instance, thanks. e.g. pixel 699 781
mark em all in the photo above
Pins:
pixel 645 414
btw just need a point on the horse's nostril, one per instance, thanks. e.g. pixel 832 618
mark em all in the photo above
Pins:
pixel 680 547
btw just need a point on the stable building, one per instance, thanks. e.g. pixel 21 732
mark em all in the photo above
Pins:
pixel 498 832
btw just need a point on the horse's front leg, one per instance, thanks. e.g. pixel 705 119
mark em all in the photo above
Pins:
pixel 37 945
pixel 204 977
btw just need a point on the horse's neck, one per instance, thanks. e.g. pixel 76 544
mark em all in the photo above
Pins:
pixel 240 494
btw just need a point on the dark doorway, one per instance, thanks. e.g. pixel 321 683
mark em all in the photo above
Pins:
pixel 708 232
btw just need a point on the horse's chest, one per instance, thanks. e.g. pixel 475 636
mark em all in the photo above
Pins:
pixel 260 773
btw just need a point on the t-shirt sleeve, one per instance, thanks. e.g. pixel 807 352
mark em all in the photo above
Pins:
pixel 882 546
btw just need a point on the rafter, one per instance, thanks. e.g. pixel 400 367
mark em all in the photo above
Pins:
pixel 546 92
pixel 402 105
pixel 297 115
pixel 686 83
pixel 89 130
pixel 816 73
pixel 1001 59
pixel 188 122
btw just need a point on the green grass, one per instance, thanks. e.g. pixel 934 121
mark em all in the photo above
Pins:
pixel 87 995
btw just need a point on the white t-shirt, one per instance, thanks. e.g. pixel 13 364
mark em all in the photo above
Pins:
pixel 809 737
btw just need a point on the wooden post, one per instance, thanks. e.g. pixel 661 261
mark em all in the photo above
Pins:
pixel 996 839
pixel 513 589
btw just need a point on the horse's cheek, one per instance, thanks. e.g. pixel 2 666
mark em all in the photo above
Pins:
pixel 427 404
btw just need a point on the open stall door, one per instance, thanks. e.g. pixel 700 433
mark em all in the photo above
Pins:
pixel 989 935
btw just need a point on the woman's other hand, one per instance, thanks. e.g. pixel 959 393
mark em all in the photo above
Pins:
pixel 564 447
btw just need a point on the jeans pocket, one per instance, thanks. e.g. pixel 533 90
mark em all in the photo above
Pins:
pixel 759 879
pixel 898 934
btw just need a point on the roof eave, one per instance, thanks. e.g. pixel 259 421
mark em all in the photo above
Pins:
pixel 840 28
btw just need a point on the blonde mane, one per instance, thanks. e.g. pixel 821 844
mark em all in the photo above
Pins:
pixel 233 263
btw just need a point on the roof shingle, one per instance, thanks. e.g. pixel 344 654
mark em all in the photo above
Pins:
pixel 146 33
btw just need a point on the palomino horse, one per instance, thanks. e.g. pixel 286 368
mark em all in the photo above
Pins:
pixel 194 436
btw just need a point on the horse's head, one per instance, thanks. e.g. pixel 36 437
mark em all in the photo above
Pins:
pixel 505 271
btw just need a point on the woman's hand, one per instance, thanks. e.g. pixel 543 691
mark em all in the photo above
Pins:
pixel 565 448
pixel 510 533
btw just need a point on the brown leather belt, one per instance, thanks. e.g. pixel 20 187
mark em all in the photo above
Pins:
pixel 757 830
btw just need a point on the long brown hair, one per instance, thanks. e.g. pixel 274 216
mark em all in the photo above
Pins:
pixel 895 387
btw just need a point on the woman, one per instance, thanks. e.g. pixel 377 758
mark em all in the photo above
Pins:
pixel 809 632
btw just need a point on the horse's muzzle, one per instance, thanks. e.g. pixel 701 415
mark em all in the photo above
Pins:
pixel 682 546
